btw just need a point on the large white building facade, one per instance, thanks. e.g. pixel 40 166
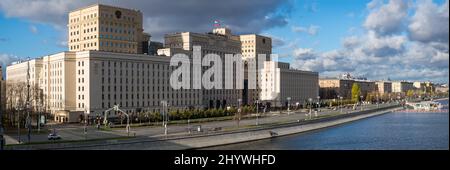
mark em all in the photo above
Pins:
pixel 93 81
pixel 281 85
pixel 219 42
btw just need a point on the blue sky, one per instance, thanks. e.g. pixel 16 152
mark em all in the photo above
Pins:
pixel 325 15
pixel 330 37
pixel 24 38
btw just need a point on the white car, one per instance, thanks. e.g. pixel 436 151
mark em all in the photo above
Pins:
pixel 53 136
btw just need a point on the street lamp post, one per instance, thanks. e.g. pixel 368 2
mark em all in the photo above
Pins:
pixel 377 101
pixel 310 107
pixel 318 105
pixel 238 113
pixel 318 101
pixel 289 104
pixel 362 106
pixel 165 116
pixel 85 124
pixel 39 117
pixel 390 99
pixel 18 123
pixel 257 114
pixel 188 126
pixel 340 98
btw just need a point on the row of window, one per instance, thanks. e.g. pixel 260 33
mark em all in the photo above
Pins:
pixel 117 44
pixel 85 45
pixel 156 96
pixel 116 24
pixel 153 103
pixel 113 37
pixel 128 31
pixel 120 72
pixel 84 25
pixel 85 17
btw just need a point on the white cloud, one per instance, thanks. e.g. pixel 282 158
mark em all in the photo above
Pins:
pixel 33 29
pixel 188 15
pixel 430 23
pixel 311 30
pixel 383 51
pixel 6 59
pixel 388 18
pixel 374 3
pixel 383 46
pixel 302 52
pixel 351 42
pixel 276 41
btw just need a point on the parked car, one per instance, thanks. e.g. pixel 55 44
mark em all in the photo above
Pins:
pixel 53 136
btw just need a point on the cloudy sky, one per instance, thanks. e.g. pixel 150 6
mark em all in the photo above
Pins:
pixel 378 39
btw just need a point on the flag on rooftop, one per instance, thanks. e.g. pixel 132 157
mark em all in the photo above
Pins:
pixel 216 23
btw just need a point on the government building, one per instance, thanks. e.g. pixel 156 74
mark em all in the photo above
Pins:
pixel 111 61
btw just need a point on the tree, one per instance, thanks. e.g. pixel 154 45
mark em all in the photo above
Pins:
pixel 356 92
pixel 370 96
pixel 410 93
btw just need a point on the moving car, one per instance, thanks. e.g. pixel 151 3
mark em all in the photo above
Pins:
pixel 53 136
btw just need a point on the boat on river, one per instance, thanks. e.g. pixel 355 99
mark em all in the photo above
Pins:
pixel 424 105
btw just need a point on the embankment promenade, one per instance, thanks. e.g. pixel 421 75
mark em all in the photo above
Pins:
pixel 215 139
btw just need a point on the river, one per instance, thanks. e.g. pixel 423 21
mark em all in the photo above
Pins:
pixel 391 131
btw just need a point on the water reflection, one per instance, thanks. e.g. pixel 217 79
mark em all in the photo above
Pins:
pixel 389 131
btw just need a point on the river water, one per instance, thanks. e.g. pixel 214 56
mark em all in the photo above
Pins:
pixel 391 131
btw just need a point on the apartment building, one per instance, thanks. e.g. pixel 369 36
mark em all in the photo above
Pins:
pixel 402 86
pixel 384 87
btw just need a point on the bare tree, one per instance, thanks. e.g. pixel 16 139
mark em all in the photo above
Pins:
pixel 16 99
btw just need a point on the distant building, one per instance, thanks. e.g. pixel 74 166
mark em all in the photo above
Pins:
pixel 154 46
pixel 332 88
pixel 384 87
pixel 429 87
pixel 419 86
pixel 402 86
pixel 280 83
pixel 426 87
pixel 442 88
pixel 367 87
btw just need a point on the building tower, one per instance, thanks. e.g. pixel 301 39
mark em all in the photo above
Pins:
pixel 107 28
